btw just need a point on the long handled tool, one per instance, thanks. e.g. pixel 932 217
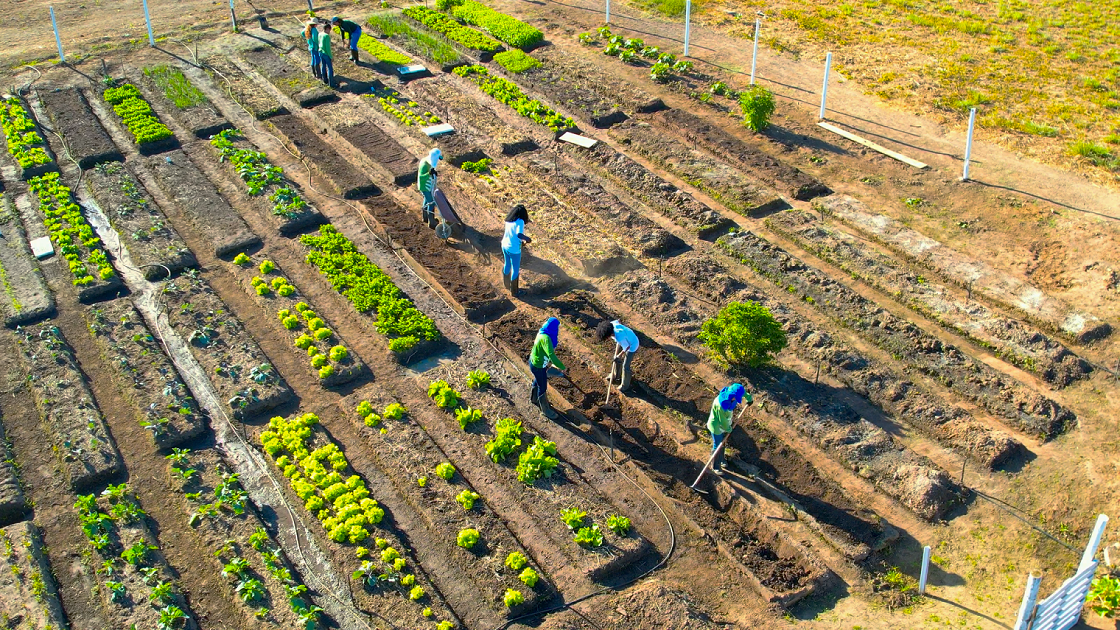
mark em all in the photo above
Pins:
pixel 711 459
pixel 610 379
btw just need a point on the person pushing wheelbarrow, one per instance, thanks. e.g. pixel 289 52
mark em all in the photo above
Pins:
pixel 426 184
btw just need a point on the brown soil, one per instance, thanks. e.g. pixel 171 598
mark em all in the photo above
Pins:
pixel 201 121
pixel 12 504
pixel 26 296
pixel 25 570
pixel 293 82
pixel 243 90
pixel 346 180
pixel 84 139
pixel 379 147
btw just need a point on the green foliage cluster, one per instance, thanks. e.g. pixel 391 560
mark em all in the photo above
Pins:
pixel 512 598
pixel 466 498
pixel 757 105
pixel 341 504
pixel 378 49
pixel 516 61
pixel 1104 596
pixel 368 288
pixel 539 460
pixel 478 379
pixel 466 416
pixel 445 471
pixel 390 99
pixel 175 86
pixel 508 93
pixel 507 437
pixel 136 114
pixel 391 25
pixel 259 174
pixel 508 29
pixel 479 167
pixel 449 28
pixel 468 538
pixel 24 143
pixel 445 396
pixel 618 524
pixel 743 334
pixel 69 231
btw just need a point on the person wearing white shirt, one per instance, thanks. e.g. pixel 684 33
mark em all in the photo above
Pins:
pixel 625 346
pixel 511 246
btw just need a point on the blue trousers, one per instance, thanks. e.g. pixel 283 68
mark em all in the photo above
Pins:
pixel 717 463
pixel 316 63
pixel 354 39
pixel 327 68
pixel 512 265
pixel 540 381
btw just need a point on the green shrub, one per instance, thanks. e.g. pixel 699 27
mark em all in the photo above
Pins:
pixel 757 104
pixel 743 334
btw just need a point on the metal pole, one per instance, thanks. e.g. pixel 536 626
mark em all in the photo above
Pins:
pixel 608 12
pixel 148 19
pixel 925 571
pixel 1030 598
pixel 310 7
pixel 232 16
pixel 1094 542
pixel 687 23
pixel 754 55
pixel 824 88
pixel 968 143
pixel 57 39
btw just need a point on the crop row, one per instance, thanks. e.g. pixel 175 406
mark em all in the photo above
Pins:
pixel 26 580
pixel 507 92
pixel 396 28
pixel 24 142
pixel 368 289
pixel 136 114
pixel 508 29
pixel 382 52
pixel 70 232
pixel 452 30
pixel 516 61
pixel 390 101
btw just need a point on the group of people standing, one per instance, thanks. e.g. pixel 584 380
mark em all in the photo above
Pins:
pixel 317 34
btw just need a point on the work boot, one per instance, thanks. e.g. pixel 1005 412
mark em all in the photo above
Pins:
pixel 624 386
pixel 354 55
pixel 513 290
pixel 533 398
pixel 546 408
pixel 505 281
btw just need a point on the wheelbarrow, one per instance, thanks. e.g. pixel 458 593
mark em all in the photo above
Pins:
pixel 449 222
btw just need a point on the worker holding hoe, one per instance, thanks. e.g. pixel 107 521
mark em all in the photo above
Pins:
pixel 426 184
pixel 720 420
pixel 350 31
pixel 625 346
pixel 540 357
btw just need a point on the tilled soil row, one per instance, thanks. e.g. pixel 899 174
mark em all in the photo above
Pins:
pixel 968 272
pixel 1010 339
pixel 346 179
pixel 26 298
pixel 566 77
pixel 881 385
pixel 84 139
pixel 28 593
pixel 725 183
pixel 455 106
pixel 201 121
pixel 1022 408
pixel 152 243
pixel 295 83
pixel 145 375
pixel 782 573
pixel 12 503
pixel 241 89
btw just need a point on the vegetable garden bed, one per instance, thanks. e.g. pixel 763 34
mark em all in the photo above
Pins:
pixel 135 583
pixel 469 117
pixel 577 97
pixel 152 243
pixel 971 379
pixel 578 74
pixel 508 93
pixel 198 199
pixel 74 238
pixel 503 27
pixel 26 297
pixel 25 144
pixel 405 454
pixel 149 134
pixel 252 568
pixel 321 479
pixel 242 89
pixel 384 150
pixel 545 497
pixel 86 141
pixel 12 504
pixel 144 373
pixel 883 387
pixel 28 593
pixel 66 407
pixel 740 154
pixel 285 206
pixel 1010 339
pixel 470 290
pixel 345 178
pixel 398 29
pixel 294 82
pixel 467 40
pixel 331 363
pixel 187 103
pixel 723 183
pixel 242 375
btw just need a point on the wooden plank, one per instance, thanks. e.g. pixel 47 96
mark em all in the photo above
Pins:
pixel 578 140
pixel 871 145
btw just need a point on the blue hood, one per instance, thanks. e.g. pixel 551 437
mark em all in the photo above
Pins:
pixel 731 396
pixel 552 329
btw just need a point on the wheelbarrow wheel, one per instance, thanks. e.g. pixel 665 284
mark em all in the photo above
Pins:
pixel 443 230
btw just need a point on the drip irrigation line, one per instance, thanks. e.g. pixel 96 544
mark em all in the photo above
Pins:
pixel 1007 507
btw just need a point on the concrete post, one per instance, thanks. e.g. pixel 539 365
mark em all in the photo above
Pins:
pixel 824 88
pixel 57 39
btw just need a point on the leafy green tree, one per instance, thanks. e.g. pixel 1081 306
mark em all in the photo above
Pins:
pixel 757 104
pixel 743 334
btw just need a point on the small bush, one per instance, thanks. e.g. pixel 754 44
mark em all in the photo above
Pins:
pixel 267 266
pixel 242 259
pixel 1104 596
pixel 743 334
pixel 445 471
pixel 757 105
pixel 467 538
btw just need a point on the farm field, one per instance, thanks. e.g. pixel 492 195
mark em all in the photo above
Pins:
pixel 252 389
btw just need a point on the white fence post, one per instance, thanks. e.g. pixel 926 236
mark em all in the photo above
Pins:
pixel 925 571
pixel 1030 598
pixel 148 19
pixel 968 143
pixel 1094 542
pixel 57 39
pixel 824 88
pixel 608 21
pixel 687 23
pixel 754 55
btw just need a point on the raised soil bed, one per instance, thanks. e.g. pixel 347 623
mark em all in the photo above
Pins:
pixel 12 504
pixel 1022 408
pixel 583 74
pixel 202 120
pixel 242 89
pixel 448 98
pixel 242 375
pixel 209 213
pixel 144 373
pixel 152 243
pixel 382 149
pixel 28 593
pixel 86 141
pixel 345 178
pixel 294 82
pixel 26 297
pixel 741 154
pixel 66 407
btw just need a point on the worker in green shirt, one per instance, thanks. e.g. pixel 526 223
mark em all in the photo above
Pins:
pixel 426 184
pixel 350 31
pixel 326 60
pixel 721 417
pixel 540 357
